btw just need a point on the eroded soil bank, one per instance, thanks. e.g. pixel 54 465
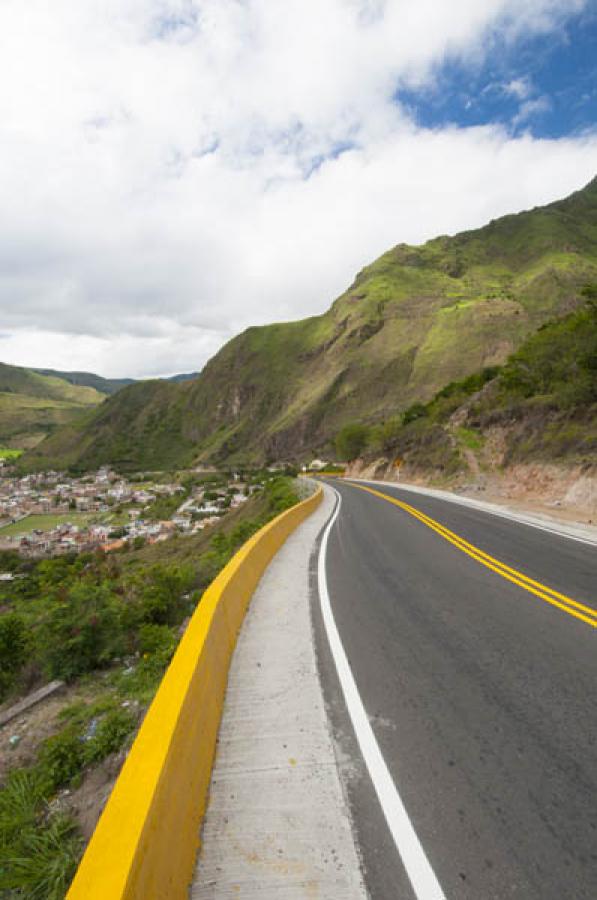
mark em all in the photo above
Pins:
pixel 568 493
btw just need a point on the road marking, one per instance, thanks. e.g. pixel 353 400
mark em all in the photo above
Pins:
pixel 586 614
pixel 488 508
pixel 418 868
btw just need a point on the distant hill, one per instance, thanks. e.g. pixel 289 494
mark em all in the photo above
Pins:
pixel 188 376
pixel 88 379
pixel 104 385
pixel 413 321
pixel 34 405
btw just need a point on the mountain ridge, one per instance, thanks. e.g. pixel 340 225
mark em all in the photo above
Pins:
pixel 33 405
pixel 414 320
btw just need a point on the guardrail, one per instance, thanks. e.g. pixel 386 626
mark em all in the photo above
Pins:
pixel 146 841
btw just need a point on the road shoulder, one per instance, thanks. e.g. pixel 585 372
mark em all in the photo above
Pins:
pixel 277 823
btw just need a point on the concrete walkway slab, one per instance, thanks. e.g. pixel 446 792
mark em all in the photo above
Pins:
pixel 278 824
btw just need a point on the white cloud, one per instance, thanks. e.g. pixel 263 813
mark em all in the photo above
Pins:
pixel 520 88
pixel 531 108
pixel 173 171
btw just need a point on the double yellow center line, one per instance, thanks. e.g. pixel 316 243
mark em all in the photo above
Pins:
pixel 566 604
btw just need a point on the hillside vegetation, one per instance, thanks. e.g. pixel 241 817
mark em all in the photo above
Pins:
pixel 542 402
pixel 415 320
pixel 34 405
pixel 108 626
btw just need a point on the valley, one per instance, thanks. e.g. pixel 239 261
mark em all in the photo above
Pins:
pixel 414 321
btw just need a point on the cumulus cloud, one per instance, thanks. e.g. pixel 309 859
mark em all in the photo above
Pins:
pixel 173 171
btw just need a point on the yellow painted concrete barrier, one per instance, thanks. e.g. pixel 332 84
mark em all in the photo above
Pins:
pixel 146 841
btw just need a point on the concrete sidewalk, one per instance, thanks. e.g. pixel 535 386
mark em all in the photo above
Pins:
pixel 277 824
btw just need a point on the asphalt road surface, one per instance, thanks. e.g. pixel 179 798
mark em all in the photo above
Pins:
pixel 474 655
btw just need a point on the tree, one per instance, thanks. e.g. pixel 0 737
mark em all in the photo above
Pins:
pixel 351 441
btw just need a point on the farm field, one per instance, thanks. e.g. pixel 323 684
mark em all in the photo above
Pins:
pixel 47 522
pixel 7 453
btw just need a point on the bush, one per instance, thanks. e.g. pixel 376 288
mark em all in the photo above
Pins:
pixel 414 412
pixel 159 591
pixel 13 649
pixel 61 758
pixel 112 731
pixel 280 494
pixel 383 437
pixel 351 441
pixel 81 633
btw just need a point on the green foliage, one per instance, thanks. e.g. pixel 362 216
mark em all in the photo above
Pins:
pixel 157 593
pixel 39 851
pixel 351 441
pixel 559 362
pixel 112 731
pixel 414 412
pixel 550 383
pixel 414 320
pixel 467 386
pixel 156 639
pixel 80 632
pixel 13 649
pixel 7 453
pixel 32 405
pixel 280 495
pixel 10 561
pixel 163 507
pixel 471 439
pixel 61 759
pixel 82 613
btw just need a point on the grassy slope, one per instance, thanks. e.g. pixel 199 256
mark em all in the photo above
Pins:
pixel 543 403
pixel 33 405
pixel 97 611
pixel 416 319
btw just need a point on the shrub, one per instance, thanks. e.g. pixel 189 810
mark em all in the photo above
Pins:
pixel 82 632
pixel 414 412
pixel 112 731
pixel 351 441
pixel 13 649
pixel 280 495
pixel 61 758
pixel 159 591
pixel 157 639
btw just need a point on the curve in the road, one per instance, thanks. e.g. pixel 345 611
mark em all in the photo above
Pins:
pixel 422 877
pixel 566 604
pixel 477 707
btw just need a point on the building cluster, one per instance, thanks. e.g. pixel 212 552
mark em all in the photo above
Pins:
pixel 99 497
pixel 207 504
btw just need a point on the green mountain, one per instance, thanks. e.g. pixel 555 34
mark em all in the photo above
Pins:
pixel 540 406
pixel 88 379
pixel 105 385
pixel 34 405
pixel 416 319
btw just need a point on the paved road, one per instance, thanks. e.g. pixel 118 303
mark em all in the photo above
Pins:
pixel 480 694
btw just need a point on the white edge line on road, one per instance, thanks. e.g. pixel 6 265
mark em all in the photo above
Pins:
pixel 512 516
pixel 418 868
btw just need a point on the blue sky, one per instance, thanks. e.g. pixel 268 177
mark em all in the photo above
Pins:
pixel 174 171
pixel 544 84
